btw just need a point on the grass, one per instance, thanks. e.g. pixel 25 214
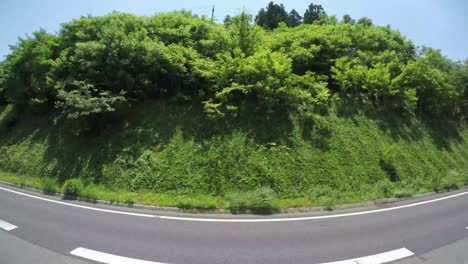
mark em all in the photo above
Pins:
pixel 170 155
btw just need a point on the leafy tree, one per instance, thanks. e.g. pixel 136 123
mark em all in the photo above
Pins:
pixel 243 34
pixel 27 70
pixel 2 89
pixel 365 21
pixel 430 76
pixel 313 13
pixel 294 19
pixel 227 21
pixel 348 20
pixel 97 66
pixel 272 16
pixel 79 99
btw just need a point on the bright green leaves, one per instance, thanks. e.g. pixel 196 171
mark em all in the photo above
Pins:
pixel 79 99
pixel 431 77
pixel 27 69
pixel 96 63
pixel 265 78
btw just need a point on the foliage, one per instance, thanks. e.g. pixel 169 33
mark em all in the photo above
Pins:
pixel 313 13
pixel 3 100
pixel 96 65
pixel 271 16
pixel 49 185
pixel 72 188
pixel 182 106
pixel 260 201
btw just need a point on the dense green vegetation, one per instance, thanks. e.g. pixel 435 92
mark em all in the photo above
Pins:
pixel 177 110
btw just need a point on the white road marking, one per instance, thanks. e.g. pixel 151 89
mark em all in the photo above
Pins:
pixel 313 217
pixel 7 226
pixel 107 258
pixel 233 220
pixel 378 258
pixel 76 205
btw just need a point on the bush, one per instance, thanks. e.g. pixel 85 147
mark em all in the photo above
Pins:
pixel 329 203
pixel 451 183
pixel 262 201
pixel 72 188
pixel 49 185
pixel 386 188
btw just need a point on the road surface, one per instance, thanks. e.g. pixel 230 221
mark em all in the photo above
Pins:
pixel 36 226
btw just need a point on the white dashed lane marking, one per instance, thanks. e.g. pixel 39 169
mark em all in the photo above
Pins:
pixel 7 226
pixel 107 258
pixel 378 258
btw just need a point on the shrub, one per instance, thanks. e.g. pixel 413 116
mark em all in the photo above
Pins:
pixel 72 188
pixel 386 188
pixel 329 203
pixel 263 201
pixel 49 185
pixel 450 183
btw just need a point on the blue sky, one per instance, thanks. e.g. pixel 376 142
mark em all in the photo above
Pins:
pixel 441 24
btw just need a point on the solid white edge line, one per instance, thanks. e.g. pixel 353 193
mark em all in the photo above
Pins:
pixel 244 220
pixel 7 226
pixel 381 258
pixel 313 217
pixel 107 258
pixel 76 205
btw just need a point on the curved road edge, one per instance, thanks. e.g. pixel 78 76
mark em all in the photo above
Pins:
pixel 397 205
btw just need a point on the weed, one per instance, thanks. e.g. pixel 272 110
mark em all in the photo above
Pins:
pixel 49 185
pixel 90 193
pixel 72 188
pixel 260 201
pixel 329 203
pixel 386 188
pixel 402 194
pixel 189 203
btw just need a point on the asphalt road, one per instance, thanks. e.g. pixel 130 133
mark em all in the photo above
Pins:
pixel 61 228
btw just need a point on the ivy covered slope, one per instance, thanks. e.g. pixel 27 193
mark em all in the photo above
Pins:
pixel 174 109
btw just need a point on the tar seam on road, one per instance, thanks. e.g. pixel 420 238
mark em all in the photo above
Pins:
pixel 107 258
pixel 7 226
pixel 242 220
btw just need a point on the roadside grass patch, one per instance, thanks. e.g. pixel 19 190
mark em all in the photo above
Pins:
pixel 49 185
pixel 260 201
pixel 403 193
pixel 90 193
pixel 329 203
pixel 72 188
pixel 201 203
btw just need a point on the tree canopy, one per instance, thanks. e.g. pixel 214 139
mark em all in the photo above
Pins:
pixel 96 65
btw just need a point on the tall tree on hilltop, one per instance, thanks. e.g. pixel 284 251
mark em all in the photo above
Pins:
pixel 294 19
pixel 313 13
pixel 348 20
pixel 270 17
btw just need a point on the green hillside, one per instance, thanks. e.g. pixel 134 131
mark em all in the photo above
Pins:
pixel 176 110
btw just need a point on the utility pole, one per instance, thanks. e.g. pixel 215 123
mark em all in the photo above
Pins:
pixel 212 14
